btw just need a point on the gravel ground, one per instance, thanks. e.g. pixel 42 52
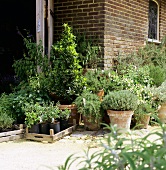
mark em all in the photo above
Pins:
pixel 30 155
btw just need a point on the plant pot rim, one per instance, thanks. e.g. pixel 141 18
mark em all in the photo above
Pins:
pixel 120 112
pixel 66 106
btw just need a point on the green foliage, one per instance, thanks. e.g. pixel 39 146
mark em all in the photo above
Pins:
pixel 6 116
pixel 144 108
pixel 120 100
pixel 88 52
pixel 49 112
pixel 124 153
pixel 33 113
pixel 32 62
pixel 66 78
pixel 158 74
pixel 96 80
pixel 89 105
pixel 65 114
pixel 160 93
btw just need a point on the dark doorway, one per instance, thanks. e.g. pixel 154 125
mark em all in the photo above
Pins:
pixel 14 15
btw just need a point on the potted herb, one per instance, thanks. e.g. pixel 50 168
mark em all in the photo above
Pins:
pixel 53 116
pixel 160 96
pixel 96 82
pixel 88 105
pixel 64 118
pixel 142 115
pixel 33 117
pixel 120 106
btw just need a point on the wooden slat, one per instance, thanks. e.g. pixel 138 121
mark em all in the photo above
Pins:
pixel 15 132
pixel 11 138
pixel 50 25
pixel 50 138
pixel 40 28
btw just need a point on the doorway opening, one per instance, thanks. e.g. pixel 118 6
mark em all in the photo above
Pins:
pixel 15 16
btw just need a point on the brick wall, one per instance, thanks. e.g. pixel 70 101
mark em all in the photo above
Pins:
pixel 162 21
pixel 121 25
pixel 126 27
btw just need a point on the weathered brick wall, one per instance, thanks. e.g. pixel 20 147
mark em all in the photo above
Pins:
pixel 126 27
pixel 120 25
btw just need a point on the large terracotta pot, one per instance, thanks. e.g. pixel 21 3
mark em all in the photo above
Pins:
pixel 162 113
pixel 120 118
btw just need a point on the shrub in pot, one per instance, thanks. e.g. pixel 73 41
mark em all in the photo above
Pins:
pixel 160 96
pixel 142 115
pixel 66 79
pixel 96 82
pixel 89 105
pixel 120 106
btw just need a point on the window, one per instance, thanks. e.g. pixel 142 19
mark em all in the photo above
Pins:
pixel 153 32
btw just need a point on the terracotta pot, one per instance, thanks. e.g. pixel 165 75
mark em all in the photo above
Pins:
pixel 100 94
pixel 74 116
pixel 142 120
pixel 120 118
pixel 91 125
pixel 162 113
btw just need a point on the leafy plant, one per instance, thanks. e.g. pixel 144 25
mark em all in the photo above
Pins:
pixel 96 80
pixel 123 153
pixel 120 100
pixel 33 113
pixel 89 105
pixel 144 108
pixel 66 78
pixel 33 60
pixel 65 114
pixel 160 93
pixel 88 51
pixel 158 74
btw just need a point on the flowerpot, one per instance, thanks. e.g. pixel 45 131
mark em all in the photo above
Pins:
pixel 34 129
pixel 120 118
pixel 162 113
pixel 64 124
pixel 74 116
pixel 88 125
pixel 100 94
pixel 142 120
pixel 44 128
pixel 55 126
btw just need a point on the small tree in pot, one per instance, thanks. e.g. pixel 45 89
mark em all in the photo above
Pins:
pixel 88 104
pixel 120 106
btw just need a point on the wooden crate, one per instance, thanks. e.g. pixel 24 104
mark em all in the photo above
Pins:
pixel 12 135
pixel 49 138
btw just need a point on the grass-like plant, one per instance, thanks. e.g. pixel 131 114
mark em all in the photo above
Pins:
pixel 124 153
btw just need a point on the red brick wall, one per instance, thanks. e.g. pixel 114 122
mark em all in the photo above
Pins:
pixel 83 15
pixel 126 26
pixel 120 25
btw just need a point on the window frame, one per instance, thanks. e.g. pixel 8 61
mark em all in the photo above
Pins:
pixel 158 17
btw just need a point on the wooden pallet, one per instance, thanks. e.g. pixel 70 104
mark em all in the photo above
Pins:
pixel 49 138
pixel 12 135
